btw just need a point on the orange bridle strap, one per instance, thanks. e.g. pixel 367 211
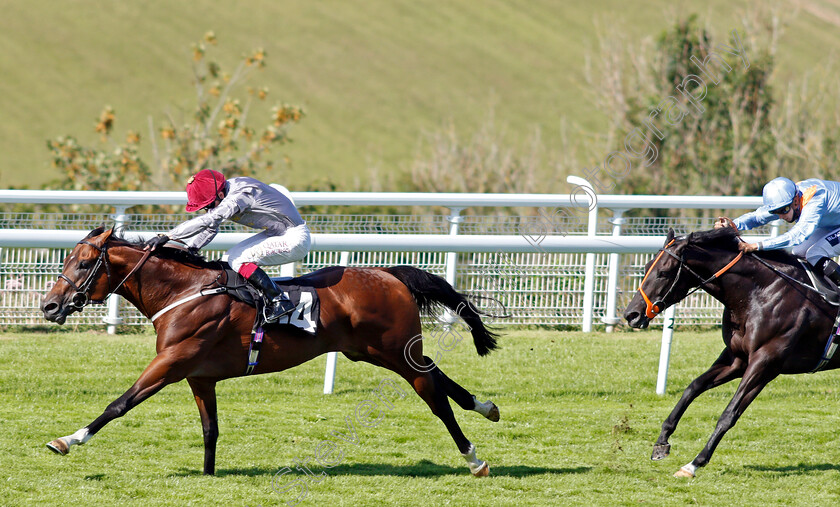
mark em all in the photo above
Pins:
pixel 652 309
pixel 726 268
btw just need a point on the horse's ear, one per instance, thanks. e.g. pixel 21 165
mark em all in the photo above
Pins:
pixel 107 235
pixel 670 235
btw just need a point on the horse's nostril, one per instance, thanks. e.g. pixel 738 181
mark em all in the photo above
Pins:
pixel 50 308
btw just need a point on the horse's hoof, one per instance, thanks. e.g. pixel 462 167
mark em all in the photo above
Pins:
pixel 660 451
pixel 493 415
pixel 684 472
pixel 59 446
pixel 483 470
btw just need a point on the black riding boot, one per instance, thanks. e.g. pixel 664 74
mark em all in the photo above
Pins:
pixel 276 303
pixel 830 269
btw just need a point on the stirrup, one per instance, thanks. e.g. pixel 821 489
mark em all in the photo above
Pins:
pixel 276 309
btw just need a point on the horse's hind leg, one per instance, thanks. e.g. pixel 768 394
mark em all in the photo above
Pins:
pixel 727 367
pixel 430 386
pixel 462 397
pixel 204 391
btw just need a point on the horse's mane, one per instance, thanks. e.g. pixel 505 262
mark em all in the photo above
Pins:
pixel 181 255
pixel 727 238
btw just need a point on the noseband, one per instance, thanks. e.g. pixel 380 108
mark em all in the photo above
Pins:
pixel 655 307
pixel 82 297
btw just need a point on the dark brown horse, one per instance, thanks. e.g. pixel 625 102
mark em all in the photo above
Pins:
pixel 772 323
pixel 369 314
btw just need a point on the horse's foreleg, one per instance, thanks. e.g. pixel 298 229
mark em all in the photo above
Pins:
pixel 205 397
pixel 464 398
pixel 727 367
pixel 757 375
pixel 160 372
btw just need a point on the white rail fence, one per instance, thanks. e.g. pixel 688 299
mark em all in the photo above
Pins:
pixel 575 261
pixel 567 265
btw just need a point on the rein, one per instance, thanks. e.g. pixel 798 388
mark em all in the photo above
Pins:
pixel 655 307
pixel 81 298
pixel 134 270
pixel 783 274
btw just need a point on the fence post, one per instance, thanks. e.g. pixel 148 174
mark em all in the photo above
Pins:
pixel 665 348
pixel 455 219
pixel 113 319
pixel 774 228
pixel 589 270
pixel 287 270
pixel 610 319
pixel 332 357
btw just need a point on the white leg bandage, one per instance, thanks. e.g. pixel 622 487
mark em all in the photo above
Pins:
pixel 474 463
pixel 690 469
pixel 80 437
pixel 483 408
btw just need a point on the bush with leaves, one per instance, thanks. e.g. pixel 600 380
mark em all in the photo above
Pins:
pixel 744 136
pixel 215 136
pixel 724 149
pixel 88 168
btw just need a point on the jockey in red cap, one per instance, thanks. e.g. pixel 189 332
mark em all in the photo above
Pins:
pixel 285 237
pixel 203 188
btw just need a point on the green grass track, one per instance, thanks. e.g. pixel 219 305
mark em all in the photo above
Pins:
pixel 579 417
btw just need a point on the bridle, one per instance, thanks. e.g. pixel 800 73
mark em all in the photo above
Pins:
pixel 81 297
pixel 655 307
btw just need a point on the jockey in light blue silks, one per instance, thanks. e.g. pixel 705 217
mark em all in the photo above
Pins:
pixel 285 236
pixel 815 207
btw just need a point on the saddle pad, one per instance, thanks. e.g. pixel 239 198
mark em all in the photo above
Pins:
pixel 305 316
pixel 307 307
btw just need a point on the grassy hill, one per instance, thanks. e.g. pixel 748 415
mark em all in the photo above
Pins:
pixel 373 76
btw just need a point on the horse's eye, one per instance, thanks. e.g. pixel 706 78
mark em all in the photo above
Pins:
pixel 84 265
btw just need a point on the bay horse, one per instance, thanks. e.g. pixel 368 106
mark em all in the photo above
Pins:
pixel 773 322
pixel 368 314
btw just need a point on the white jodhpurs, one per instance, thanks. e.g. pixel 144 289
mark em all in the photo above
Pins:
pixel 264 249
pixel 823 242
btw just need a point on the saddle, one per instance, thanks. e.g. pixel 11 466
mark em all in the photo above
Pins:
pixel 305 298
pixel 305 316
pixel 824 287
pixel 238 288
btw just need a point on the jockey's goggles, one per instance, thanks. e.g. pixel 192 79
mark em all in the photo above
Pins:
pixel 782 210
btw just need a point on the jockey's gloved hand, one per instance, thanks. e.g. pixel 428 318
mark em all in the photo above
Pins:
pixel 156 242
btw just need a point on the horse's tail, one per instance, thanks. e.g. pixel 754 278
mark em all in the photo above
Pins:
pixel 431 291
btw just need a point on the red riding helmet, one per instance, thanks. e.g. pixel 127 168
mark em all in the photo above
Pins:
pixel 203 188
